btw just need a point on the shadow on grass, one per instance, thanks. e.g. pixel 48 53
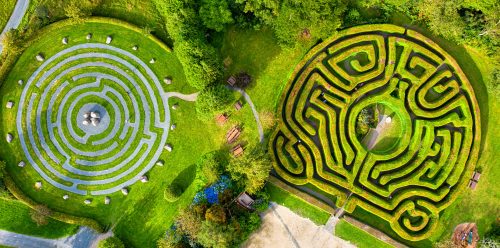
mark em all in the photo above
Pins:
pixel 185 178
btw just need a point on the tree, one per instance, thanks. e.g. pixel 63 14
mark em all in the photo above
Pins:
pixel 172 192
pixel 200 61
pixel 189 222
pixel 76 11
pixel 265 10
pixel 215 14
pixel 243 79
pixel 172 239
pixel 216 213
pixel 442 17
pixel 309 19
pixel 213 99
pixel 111 242
pixel 210 167
pixel 12 42
pixel 251 170
pixel 216 235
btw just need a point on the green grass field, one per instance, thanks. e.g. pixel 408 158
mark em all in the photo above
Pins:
pixel 297 205
pixel 358 237
pixel 15 217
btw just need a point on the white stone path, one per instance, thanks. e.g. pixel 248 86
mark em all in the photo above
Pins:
pixel 150 114
pixel 15 19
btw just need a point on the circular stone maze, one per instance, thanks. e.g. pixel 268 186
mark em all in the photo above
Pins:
pixel 435 148
pixel 92 116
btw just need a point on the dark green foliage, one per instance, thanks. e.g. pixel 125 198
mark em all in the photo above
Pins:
pixel 213 100
pixel 309 19
pixel 215 235
pixel 367 119
pixel 215 14
pixel 172 192
pixel 216 213
pixel 243 79
pixel 172 239
pixel 261 200
pixel 200 61
pixel 296 20
pixel 111 242
pixel 265 10
pixel 251 170
pixel 210 167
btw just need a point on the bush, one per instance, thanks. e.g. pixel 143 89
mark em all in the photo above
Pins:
pixel 216 214
pixel 210 167
pixel 251 170
pixel 212 100
pixel 201 63
pixel 111 242
pixel 215 14
pixel 172 192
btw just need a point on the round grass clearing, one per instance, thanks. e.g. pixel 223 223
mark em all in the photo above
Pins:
pixel 420 166
pixel 83 76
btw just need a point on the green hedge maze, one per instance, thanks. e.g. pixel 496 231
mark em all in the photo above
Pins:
pixel 434 112
pixel 55 126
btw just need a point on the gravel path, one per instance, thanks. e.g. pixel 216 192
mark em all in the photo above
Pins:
pixel 84 238
pixel 282 226
pixel 15 18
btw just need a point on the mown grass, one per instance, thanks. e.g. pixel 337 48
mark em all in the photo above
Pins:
pixel 143 213
pixel 6 11
pixel 15 217
pixel 297 205
pixel 360 238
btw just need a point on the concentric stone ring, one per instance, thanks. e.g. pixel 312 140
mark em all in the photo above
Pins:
pixel 105 152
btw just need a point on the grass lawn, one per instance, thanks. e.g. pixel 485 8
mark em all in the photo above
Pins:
pixel 5 12
pixel 360 238
pixel 15 217
pixel 143 212
pixel 297 205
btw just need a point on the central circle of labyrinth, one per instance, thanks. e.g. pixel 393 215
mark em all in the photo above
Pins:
pixel 121 92
pixel 433 156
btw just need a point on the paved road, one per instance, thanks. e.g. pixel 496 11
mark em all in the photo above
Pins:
pixel 16 17
pixel 84 238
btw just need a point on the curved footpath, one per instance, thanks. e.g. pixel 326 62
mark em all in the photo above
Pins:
pixel 84 238
pixel 15 18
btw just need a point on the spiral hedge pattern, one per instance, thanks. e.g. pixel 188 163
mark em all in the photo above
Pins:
pixel 81 79
pixel 435 154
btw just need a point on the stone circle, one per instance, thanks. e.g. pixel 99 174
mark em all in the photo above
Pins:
pixel 92 119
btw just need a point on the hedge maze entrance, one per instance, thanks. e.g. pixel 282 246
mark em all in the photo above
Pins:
pixel 435 150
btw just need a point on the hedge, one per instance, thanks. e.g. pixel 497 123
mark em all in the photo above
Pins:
pixel 409 183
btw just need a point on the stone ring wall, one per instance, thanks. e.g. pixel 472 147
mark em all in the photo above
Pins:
pixel 431 161
pixel 102 159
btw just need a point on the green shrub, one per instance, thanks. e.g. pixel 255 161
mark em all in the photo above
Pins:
pixel 251 170
pixel 111 242
pixel 215 14
pixel 172 192
pixel 213 100
pixel 216 214
pixel 210 167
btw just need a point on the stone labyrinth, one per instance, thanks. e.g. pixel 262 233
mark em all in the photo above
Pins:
pixel 93 118
pixel 432 161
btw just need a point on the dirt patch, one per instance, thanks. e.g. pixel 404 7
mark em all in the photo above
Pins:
pixel 282 226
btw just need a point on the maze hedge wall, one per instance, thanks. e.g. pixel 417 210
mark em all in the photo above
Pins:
pixel 434 156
